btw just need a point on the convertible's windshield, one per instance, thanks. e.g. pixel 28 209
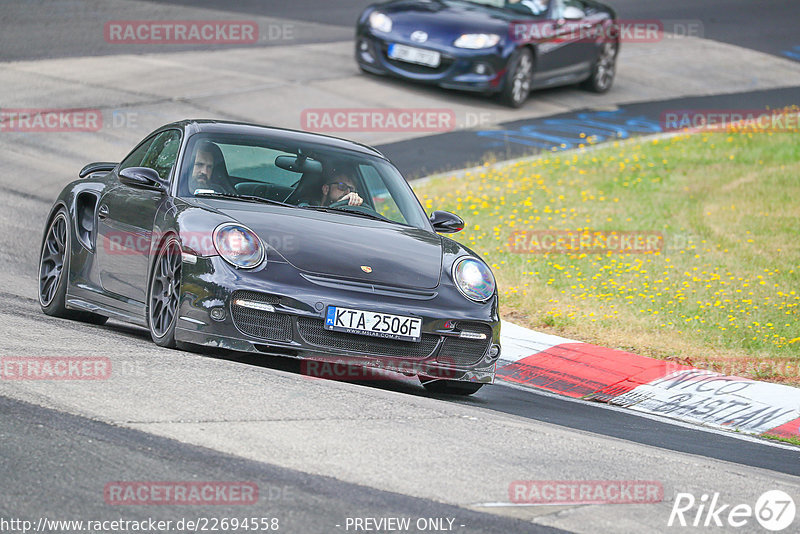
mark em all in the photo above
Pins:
pixel 305 175
pixel 530 7
pixel 495 3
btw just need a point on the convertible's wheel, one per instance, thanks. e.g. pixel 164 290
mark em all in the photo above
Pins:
pixel 450 387
pixel 54 272
pixel 602 77
pixel 519 79
pixel 164 294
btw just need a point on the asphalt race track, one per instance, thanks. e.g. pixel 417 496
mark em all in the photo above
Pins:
pixel 321 452
pixel 39 442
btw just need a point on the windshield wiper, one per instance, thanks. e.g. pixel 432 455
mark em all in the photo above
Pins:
pixel 251 198
pixel 344 209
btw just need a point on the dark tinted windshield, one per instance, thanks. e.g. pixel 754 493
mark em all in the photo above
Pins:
pixel 310 175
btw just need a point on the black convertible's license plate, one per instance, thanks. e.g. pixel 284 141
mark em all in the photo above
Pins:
pixel 373 324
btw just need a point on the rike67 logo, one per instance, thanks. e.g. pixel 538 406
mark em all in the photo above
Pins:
pixel 774 510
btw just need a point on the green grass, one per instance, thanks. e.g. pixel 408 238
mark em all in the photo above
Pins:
pixel 791 440
pixel 725 288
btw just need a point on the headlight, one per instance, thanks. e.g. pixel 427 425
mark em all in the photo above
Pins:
pixel 476 41
pixel 473 278
pixel 238 245
pixel 379 21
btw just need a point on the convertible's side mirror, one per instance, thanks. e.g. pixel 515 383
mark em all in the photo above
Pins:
pixel 445 222
pixel 573 13
pixel 142 177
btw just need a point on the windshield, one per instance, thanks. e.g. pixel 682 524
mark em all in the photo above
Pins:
pixel 308 175
pixel 529 7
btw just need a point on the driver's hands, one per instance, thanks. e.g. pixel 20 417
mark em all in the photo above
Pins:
pixel 352 199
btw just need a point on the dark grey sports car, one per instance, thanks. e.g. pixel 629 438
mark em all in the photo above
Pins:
pixel 275 241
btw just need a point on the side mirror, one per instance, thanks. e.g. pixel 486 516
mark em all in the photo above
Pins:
pixel 142 177
pixel 573 13
pixel 445 222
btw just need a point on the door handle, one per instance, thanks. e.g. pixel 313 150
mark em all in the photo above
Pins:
pixel 102 212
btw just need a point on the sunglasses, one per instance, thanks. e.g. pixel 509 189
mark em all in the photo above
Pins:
pixel 343 186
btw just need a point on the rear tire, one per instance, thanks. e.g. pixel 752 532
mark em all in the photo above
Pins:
pixel 519 79
pixel 54 272
pixel 450 387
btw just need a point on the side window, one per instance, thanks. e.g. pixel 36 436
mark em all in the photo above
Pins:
pixel 136 157
pixel 528 7
pixel 577 4
pixel 556 9
pixel 381 198
pixel 162 153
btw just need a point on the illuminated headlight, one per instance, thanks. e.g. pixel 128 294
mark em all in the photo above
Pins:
pixel 473 278
pixel 476 41
pixel 238 245
pixel 379 21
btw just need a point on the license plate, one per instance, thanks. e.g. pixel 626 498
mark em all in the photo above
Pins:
pixel 373 324
pixel 414 55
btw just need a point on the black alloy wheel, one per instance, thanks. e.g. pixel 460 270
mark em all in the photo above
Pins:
pixel 164 294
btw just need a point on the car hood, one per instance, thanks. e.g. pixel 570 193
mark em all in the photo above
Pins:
pixel 444 22
pixel 343 246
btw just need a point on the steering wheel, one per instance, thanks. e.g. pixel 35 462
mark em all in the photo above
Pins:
pixel 340 203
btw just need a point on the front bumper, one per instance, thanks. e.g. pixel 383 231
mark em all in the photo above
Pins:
pixel 290 317
pixel 466 70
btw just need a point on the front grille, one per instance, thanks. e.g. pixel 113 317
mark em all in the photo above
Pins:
pixel 314 333
pixel 264 298
pixel 465 352
pixel 259 323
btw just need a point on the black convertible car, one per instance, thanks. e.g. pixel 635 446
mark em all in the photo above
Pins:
pixel 281 242
pixel 505 47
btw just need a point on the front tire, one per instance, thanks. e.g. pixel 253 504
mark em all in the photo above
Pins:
pixel 54 272
pixel 519 79
pixel 602 77
pixel 163 296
